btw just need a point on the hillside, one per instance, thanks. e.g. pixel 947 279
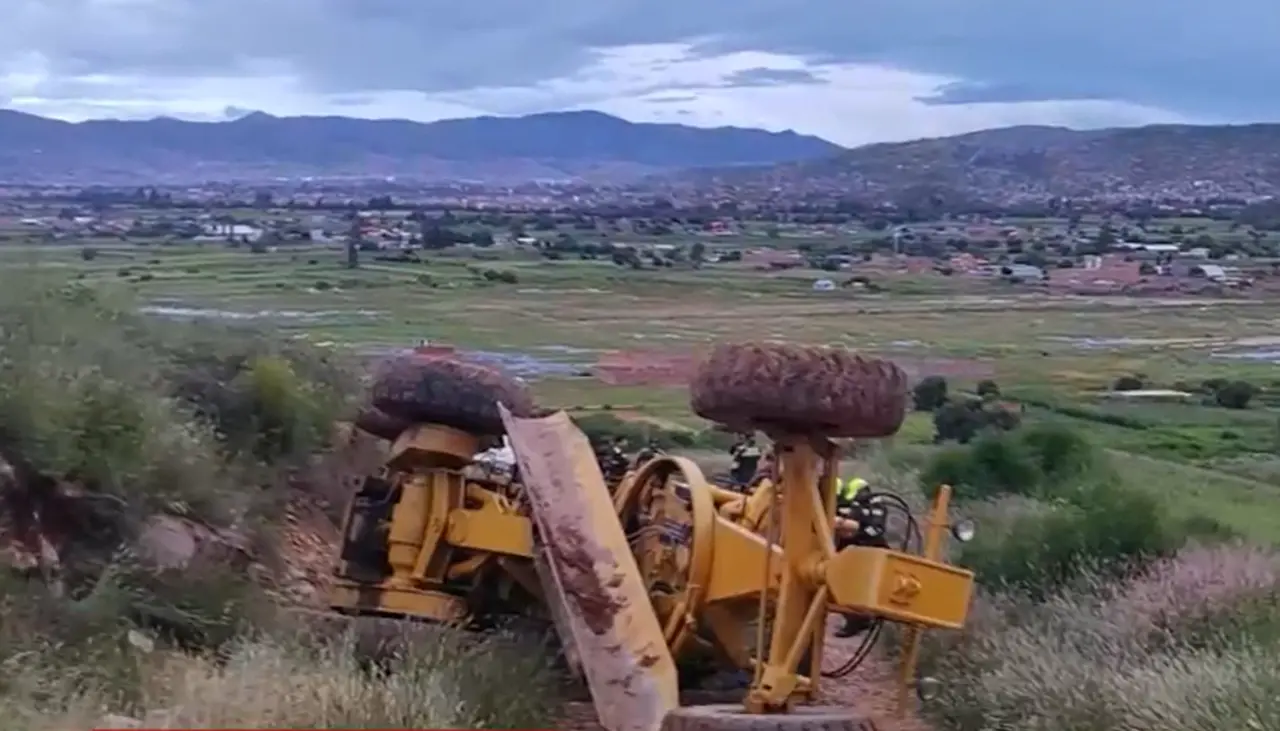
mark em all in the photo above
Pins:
pixel 560 145
pixel 1180 161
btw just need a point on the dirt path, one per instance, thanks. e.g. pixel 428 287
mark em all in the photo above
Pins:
pixel 871 692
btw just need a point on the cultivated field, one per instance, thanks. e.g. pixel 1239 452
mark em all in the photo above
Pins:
pixel 559 317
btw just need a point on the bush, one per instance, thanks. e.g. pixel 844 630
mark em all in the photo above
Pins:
pixel 505 276
pixel 992 465
pixel 1060 453
pixel 1036 461
pixel 143 415
pixel 930 393
pixel 1090 520
pixel 956 421
pixel 604 426
pixel 1102 527
pixel 1128 383
pixel 988 388
pixel 1235 394
pixel 961 419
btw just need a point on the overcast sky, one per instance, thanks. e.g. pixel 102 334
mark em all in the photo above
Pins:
pixel 853 71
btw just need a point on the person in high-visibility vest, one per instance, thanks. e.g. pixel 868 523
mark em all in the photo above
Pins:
pixel 847 490
pixel 850 506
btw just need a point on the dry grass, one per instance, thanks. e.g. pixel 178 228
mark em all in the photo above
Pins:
pixel 294 682
pixel 1181 648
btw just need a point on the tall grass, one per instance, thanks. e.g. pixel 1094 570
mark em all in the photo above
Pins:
pixel 1189 645
pixel 289 680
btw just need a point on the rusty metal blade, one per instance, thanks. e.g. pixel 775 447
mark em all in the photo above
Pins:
pixel 547 579
pixel 593 574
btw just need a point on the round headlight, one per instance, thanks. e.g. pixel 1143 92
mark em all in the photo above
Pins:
pixel 928 688
pixel 964 530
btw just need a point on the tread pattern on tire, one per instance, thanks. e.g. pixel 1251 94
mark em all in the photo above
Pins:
pixel 732 717
pixel 380 424
pixel 439 390
pixel 799 389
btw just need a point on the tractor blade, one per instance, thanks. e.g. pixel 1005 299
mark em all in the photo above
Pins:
pixel 593 575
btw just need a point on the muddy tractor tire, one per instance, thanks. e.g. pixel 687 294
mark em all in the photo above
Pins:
pixel 732 717
pixel 381 424
pixel 435 390
pixel 797 389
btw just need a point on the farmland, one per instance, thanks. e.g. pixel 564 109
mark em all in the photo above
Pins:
pixel 551 321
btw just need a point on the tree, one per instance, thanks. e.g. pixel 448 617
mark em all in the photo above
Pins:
pixel 930 393
pixel 697 253
pixel 956 421
pixel 355 237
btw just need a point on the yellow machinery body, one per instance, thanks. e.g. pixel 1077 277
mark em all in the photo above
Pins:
pixel 634 579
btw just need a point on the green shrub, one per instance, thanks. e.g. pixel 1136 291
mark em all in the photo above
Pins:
pixel 144 415
pixel 988 388
pixel 602 426
pixel 1101 527
pixel 1060 453
pixel 956 421
pixel 1235 395
pixel 1128 383
pixel 930 393
pixel 994 464
pixel 1033 462
pixel 1090 520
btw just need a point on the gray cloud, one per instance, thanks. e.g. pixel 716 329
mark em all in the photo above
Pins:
pixel 964 92
pixel 1214 58
pixel 672 99
pixel 771 77
pixel 234 112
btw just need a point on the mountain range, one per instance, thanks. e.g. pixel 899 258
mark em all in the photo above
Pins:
pixel 558 145
pixel 1159 161
pixel 1174 161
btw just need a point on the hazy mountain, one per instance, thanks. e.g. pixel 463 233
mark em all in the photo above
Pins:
pixel 554 145
pixel 1161 160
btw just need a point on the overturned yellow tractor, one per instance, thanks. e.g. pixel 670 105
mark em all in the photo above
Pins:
pixel 663 572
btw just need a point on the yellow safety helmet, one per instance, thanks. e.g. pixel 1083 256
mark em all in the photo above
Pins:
pixel 850 488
